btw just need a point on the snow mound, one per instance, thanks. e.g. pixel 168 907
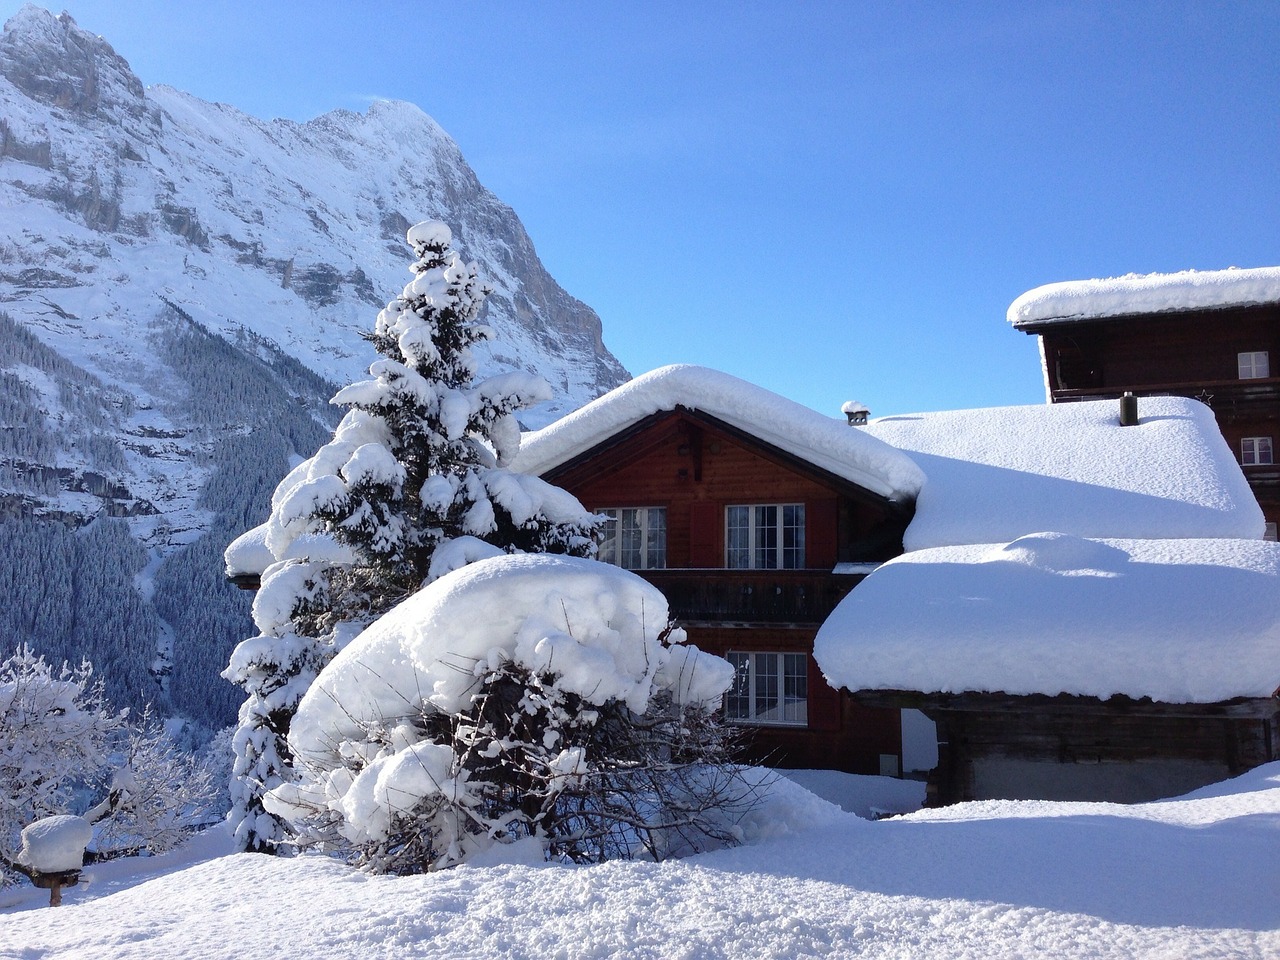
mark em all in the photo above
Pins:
pixel 1146 293
pixel 248 553
pixel 823 441
pixel 1180 621
pixel 429 233
pixel 1062 553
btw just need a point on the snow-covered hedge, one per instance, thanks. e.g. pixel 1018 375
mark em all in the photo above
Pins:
pixel 499 681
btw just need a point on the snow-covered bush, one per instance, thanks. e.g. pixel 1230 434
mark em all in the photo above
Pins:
pixel 412 485
pixel 521 696
pixel 62 747
pixel 55 734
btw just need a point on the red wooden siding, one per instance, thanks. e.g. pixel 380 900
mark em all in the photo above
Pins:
pixel 706 534
pixel 696 470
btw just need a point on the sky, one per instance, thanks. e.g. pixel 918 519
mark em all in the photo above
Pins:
pixel 832 200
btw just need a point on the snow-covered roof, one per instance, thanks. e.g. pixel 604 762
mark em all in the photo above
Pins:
pixel 823 441
pixel 997 474
pixel 1180 621
pixel 1135 294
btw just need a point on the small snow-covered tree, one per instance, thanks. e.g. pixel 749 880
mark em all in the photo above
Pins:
pixel 55 734
pixel 521 698
pixel 159 794
pixel 62 746
pixel 412 485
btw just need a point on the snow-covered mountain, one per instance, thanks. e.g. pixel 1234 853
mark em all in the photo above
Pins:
pixel 181 288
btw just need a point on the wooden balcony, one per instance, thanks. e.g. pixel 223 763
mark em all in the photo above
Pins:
pixel 750 596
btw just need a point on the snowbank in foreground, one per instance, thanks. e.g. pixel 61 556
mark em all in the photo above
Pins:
pixel 1182 878
pixel 1182 621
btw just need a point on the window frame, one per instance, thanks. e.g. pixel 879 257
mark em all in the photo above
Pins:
pixel 1253 450
pixel 766 537
pixel 645 548
pixel 789 672
pixel 1253 364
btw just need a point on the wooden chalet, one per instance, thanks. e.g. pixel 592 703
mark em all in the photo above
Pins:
pixel 1212 335
pixel 752 541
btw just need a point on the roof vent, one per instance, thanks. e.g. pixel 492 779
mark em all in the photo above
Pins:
pixel 1128 410
pixel 856 412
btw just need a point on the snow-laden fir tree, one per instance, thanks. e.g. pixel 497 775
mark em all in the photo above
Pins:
pixel 412 485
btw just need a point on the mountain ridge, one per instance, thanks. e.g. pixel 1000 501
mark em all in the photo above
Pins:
pixel 183 286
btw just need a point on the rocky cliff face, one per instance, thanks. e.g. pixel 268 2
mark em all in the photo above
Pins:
pixel 181 287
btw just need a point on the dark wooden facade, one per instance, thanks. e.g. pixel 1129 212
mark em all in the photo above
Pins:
pixel 695 466
pixel 1190 354
pixel 1000 746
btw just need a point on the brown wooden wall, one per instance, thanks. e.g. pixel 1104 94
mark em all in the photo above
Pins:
pixel 1143 352
pixel 1089 736
pixel 841 734
pixel 695 468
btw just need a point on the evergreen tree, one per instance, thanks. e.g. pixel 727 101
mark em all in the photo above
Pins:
pixel 411 486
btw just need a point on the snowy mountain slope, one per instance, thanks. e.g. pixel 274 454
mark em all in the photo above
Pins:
pixel 181 287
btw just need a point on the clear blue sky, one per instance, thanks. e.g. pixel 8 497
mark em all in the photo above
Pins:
pixel 833 200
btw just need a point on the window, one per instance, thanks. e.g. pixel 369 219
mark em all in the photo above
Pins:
pixel 1255 451
pixel 764 537
pixel 768 688
pixel 1254 364
pixel 635 537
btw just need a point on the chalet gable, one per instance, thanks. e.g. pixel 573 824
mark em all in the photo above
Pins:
pixel 781 427
pixel 699 439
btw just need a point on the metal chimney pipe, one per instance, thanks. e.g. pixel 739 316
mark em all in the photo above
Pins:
pixel 1128 410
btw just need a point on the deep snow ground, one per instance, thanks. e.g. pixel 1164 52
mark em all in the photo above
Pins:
pixel 1191 877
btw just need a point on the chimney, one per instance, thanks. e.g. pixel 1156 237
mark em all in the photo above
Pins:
pixel 1128 410
pixel 856 412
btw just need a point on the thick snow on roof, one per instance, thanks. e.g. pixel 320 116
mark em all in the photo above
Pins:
pixel 823 441
pixel 1180 621
pixel 1146 293
pixel 996 474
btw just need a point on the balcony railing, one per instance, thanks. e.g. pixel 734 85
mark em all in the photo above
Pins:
pixel 1263 390
pixel 750 596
